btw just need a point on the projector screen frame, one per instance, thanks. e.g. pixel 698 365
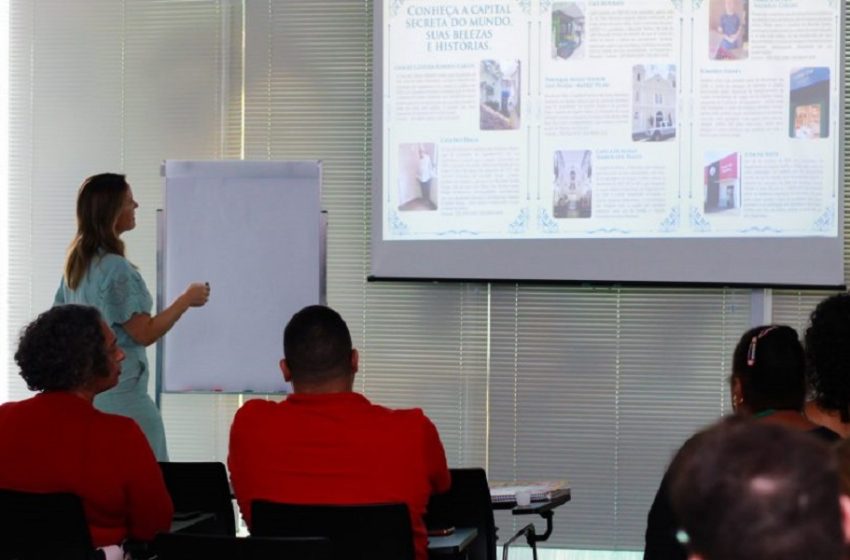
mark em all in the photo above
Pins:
pixel 751 263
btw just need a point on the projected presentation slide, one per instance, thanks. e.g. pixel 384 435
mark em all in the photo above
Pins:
pixel 610 119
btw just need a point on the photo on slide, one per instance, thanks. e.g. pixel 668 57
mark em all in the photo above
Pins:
pixel 653 102
pixel 418 186
pixel 809 103
pixel 571 188
pixel 567 30
pixel 728 38
pixel 722 183
pixel 500 95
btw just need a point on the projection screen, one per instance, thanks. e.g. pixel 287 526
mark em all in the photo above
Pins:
pixel 609 141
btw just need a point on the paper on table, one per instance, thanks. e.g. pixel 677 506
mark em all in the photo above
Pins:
pixel 540 490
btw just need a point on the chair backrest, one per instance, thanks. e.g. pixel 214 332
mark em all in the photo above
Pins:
pixel 218 547
pixel 356 532
pixel 201 487
pixel 38 526
pixel 467 504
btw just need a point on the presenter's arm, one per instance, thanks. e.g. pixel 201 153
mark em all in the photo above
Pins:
pixel 146 329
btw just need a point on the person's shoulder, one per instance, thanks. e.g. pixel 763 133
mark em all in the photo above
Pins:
pixel 9 406
pixel 112 261
pixel 254 415
pixel 117 430
pixel 109 266
pixel 825 434
pixel 412 416
pixel 112 268
pixel 255 408
pixel 115 422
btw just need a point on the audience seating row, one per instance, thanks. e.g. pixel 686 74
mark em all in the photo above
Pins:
pixel 37 526
pixel 178 546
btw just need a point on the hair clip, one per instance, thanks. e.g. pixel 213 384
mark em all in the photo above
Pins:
pixel 751 351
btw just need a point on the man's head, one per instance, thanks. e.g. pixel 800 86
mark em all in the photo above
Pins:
pixel 828 354
pixel 318 350
pixel 744 490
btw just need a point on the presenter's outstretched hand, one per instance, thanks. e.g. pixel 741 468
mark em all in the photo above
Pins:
pixel 197 294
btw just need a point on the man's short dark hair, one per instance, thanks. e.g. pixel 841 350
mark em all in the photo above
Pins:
pixel 317 344
pixel 828 354
pixel 744 490
pixel 63 349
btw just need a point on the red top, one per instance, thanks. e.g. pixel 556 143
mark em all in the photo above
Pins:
pixel 336 448
pixel 58 442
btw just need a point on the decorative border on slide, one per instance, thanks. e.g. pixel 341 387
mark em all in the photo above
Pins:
pixel 825 221
pixel 520 224
pixel 395 6
pixel 525 5
pixel 609 231
pixel 698 3
pixel 698 221
pixel 457 232
pixel 761 229
pixel 545 5
pixel 546 222
pixel 671 222
pixel 397 225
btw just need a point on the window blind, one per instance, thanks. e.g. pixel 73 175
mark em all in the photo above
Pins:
pixel 101 85
pixel 600 386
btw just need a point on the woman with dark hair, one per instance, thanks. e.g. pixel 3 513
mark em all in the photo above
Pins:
pixel 57 441
pixel 768 384
pixel 98 274
pixel 768 379
pixel 828 372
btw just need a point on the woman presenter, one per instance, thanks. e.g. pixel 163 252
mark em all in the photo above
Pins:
pixel 98 274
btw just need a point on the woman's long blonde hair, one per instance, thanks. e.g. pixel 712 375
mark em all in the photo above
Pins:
pixel 99 202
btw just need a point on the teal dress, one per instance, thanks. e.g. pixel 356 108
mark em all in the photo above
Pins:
pixel 114 286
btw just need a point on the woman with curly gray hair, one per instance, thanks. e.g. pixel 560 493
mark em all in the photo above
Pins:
pixel 61 443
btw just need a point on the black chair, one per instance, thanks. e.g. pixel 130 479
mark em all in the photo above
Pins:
pixel 467 504
pixel 37 526
pixel 172 546
pixel 356 532
pixel 201 488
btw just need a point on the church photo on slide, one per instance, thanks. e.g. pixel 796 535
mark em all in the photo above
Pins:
pixel 572 188
pixel 654 102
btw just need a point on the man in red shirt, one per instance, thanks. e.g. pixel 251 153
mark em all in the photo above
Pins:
pixel 326 444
